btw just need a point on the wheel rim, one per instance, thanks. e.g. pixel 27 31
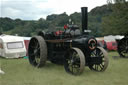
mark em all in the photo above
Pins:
pixel 74 61
pixel 123 47
pixel 101 60
pixel 34 52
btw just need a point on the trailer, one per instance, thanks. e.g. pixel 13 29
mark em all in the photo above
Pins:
pixel 12 46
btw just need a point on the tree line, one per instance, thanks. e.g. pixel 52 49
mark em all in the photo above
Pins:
pixel 103 20
pixel 117 22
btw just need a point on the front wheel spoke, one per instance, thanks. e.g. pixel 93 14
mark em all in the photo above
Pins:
pixel 101 54
pixel 103 60
pixel 69 61
pixel 70 64
pixel 75 69
pixel 101 66
pixel 77 63
pixel 93 54
pixel 97 67
pixel 97 53
pixel 76 66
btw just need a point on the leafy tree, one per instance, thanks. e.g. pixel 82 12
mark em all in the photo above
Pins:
pixel 76 18
pixel 42 24
pixel 6 24
pixel 56 22
pixel 117 22
pixel 95 19
pixel 51 17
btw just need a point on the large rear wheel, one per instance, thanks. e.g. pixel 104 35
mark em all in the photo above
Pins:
pixel 37 51
pixel 99 60
pixel 74 61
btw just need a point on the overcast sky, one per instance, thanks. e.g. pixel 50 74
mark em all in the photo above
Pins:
pixel 35 9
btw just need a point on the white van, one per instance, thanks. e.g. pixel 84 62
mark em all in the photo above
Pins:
pixel 12 46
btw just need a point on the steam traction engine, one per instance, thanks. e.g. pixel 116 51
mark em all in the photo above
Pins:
pixel 71 48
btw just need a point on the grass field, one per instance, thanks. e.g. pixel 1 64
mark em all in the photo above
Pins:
pixel 20 72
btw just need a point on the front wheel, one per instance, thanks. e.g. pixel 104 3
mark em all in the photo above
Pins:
pixel 99 60
pixel 74 61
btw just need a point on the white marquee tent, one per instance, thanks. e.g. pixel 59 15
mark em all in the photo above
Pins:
pixel 111 38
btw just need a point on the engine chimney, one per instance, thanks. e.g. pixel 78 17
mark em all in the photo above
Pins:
pixel 84 12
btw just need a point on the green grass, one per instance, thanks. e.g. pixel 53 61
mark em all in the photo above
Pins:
pixel 20 72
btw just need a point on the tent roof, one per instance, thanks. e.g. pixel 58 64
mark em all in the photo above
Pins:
pixel 112 38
